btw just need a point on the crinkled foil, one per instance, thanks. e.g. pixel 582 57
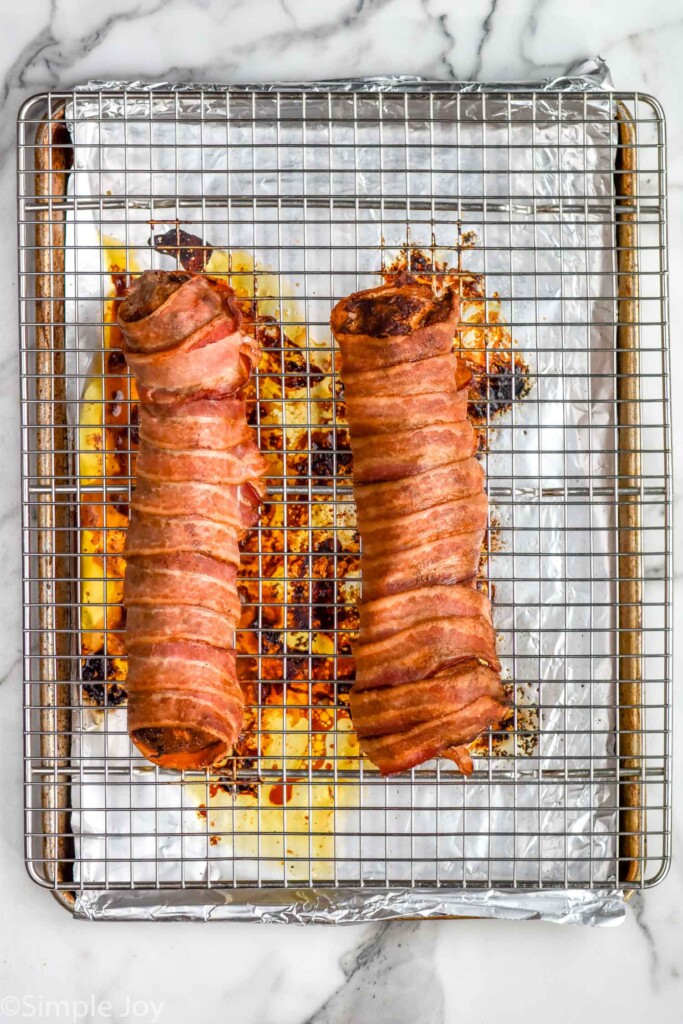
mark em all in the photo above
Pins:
pixel 351 906
pixel 589 75
pixel 134 822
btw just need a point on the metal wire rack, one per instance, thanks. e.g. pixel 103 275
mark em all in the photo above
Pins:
pixel 551 207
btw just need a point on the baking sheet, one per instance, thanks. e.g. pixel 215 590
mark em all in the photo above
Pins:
pixel 557 823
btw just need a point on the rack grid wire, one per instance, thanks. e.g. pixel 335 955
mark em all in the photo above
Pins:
pixel 308 196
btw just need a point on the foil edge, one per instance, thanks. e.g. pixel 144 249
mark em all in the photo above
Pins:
pixel 596 908
pixel 589 75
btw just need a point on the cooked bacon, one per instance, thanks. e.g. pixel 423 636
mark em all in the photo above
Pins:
pixel 216 425
pixel 412 451
pixel 432 375
pixel 236 466
pixel 392 413
pixel 427 673
pixel 387 615
pixel 393 498
pixel 403 313
pixel 150 623
pixel 423 650
pixel 402 750
pixel 450 559
pixel 199 484
pixel 189 498
pixel 167 320
pixel 159 535
pixel 463 515
pixel 184 702
pixel 193 580
pixel 421 701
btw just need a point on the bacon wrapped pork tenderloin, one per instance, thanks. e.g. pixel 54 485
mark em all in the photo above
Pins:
pixel 198 488
pixel 427 675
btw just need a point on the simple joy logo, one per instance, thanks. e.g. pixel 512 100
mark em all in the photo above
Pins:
pixel 72 1011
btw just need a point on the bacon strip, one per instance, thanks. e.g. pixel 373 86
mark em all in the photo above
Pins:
pixel 198 488
pixel 427 675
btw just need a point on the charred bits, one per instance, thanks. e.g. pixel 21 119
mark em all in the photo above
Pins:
pixel 494 394
pixel 94 673
pixel 189 250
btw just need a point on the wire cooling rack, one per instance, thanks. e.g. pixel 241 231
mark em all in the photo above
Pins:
pixel 555 205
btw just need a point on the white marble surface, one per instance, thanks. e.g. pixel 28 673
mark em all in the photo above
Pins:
pixel 391 974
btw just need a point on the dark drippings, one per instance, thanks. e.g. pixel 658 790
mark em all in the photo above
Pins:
pixel 94 673
pixel 189 250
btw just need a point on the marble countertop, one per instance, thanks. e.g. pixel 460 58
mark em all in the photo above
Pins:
pixel 391 973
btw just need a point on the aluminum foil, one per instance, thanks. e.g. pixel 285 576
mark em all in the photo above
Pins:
pixel 351 906
pixel 132 819
pixel 590 75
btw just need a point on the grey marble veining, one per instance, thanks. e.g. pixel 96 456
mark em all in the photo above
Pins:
pixel 393 973
pixel 392 976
